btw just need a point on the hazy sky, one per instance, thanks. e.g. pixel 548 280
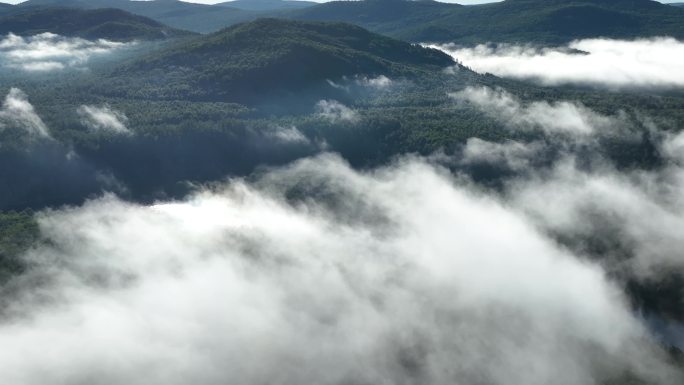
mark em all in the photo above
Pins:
pixel 320 1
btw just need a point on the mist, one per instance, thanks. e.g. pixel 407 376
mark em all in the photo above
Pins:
pixel 18 112
pixel 609 63
pixel 401 274
pixel 47 52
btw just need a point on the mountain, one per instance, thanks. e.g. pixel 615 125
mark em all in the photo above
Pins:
pixel 111 24
pixel 178 14
pixel 677 4
pixel 528 21
pixel 267 5
pixel 390 17
pixel 247 60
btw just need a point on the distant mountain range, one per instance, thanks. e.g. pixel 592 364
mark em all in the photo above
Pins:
pixel 111 24
pixel 538 21
pixel 270 55
pixel 177 14
pixel 267 5
pixel 547 22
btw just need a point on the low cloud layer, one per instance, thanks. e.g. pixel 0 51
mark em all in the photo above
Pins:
pixel 399 275
pixel 18 113
pixel 104 119
pixel 614 63
pixel 49 52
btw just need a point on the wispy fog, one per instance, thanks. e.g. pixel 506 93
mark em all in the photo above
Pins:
pixel 564 117
pixel 104 119
pixel 18 113
pixel 50 52
pixel 614 63
pixel 334 111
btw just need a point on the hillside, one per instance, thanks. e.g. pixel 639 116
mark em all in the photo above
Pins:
pixel 271 54
pixel 267 5
pixel 111 24
pixel 536 21
pixel 178 14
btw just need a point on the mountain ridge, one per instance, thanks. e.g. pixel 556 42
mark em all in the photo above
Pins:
pixel 274 54
pixel 107 23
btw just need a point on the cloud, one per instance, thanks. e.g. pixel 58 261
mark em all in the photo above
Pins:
pixel 290 135
pixel 316 273
pixel 563 117
pixel 334 111
pixel 511 154
pixel 103 119
pixel 17 112
pixel 49 52
pixel 607 208
pixel 653 62
pixel 380 82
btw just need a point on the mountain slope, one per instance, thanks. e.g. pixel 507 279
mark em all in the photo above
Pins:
pixel 111 24
pixel 246 60
pixel 267 5
pixel 178 14
pixel 540 21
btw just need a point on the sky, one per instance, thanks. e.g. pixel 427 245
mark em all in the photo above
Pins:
pixel 323 1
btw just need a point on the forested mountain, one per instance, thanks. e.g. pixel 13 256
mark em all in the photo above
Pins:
pixel 538 21
pixel 177 14
pixel 111 24
pixel 267 5
pixel 246 60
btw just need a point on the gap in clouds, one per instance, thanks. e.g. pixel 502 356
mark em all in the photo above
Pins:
pixel 617 64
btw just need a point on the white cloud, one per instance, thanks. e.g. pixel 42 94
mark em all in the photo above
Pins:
pixel 335 111
pixel 563 117
pixel 379 82
pixel 614 63
pixel 397 275
pixel 18 112
pixel 49 52
pixel 103 119
pixel 513 155
pixel 287 135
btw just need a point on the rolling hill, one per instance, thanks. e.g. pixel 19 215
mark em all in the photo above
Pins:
pixel 267 5
pixel 528 21
pixel 111 24
pixel 266 55
pixel 178 14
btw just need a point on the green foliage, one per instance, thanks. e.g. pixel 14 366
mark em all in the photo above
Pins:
pixel 18 231
pixel 243 62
